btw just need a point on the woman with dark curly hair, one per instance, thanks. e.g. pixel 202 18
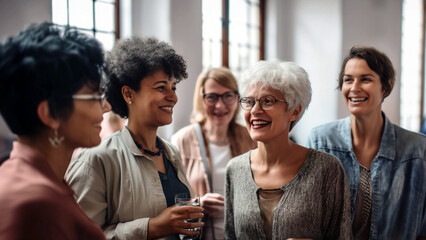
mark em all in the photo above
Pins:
pixel 128 183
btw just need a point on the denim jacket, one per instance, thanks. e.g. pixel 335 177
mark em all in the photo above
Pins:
pixel 398 176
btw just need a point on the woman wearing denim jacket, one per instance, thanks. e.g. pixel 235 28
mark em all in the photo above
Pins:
pixel 385 164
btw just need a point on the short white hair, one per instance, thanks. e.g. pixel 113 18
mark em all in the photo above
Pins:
pixel 287 77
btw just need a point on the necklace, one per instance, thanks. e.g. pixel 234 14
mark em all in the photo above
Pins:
pixel 220 143
pixel 149 152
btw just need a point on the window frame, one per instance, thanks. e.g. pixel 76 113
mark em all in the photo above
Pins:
pixel 225 31
pixel 94 30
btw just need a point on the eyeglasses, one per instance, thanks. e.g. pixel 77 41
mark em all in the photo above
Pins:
pixel 266 102
pixel 228 98
pixel 89 97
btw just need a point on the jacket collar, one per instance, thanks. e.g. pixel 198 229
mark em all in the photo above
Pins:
pixel 388 141
pixel 130 144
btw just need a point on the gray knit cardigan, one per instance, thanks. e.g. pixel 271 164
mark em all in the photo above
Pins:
pixel 315 203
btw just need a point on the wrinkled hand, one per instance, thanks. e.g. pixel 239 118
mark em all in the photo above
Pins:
pixel 171 221
pixel 212 202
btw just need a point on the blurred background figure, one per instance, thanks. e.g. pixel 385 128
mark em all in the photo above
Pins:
pixel 385 164
pixel 50 97
pixel 128 183
pixel 211 141
pixel 111 124
pixel 282 190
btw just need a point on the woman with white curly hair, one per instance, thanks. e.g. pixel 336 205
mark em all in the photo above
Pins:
pixel 282 190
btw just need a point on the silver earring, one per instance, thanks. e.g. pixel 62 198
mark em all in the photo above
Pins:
pixel 56 140
pixel 130 102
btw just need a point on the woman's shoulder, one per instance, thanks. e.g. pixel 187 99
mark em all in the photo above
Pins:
pixel 331 135
pixel 109 144
pixel 183 133
pixel 320 159
pixel 107 151
pixel 28 191
pixel 410 144
pixel 41 201
pixel 239 161
pixel 331 127
pixel 410 136
pixel 185 139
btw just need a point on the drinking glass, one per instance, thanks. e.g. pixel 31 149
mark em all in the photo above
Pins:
pixel 184 199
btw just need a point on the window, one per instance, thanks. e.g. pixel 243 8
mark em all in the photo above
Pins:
pixel 412 76
pixel 232 33
pixel 98 18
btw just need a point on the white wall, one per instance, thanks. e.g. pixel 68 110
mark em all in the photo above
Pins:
pixel 17 14
pixel 376 23
pixel 14 16
pixel 308 32
pixel 186 34
pixel 151 18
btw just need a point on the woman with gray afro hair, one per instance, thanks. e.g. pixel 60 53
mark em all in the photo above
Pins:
pixel 287 77
pixel 282 190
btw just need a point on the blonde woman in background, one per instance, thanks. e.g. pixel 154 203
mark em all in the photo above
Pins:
pixel 219 139
pixel 111 124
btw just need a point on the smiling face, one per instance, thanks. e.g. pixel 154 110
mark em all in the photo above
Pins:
pixel 361 89
pixel 272 124
pixel 219 113
pixel 83 126
pixel 152 105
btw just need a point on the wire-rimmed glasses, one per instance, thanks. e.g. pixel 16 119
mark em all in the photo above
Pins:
pixel 266 102
pixel 228 98
pixel 100 98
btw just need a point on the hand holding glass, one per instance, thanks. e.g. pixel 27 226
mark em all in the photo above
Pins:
pixel 183 199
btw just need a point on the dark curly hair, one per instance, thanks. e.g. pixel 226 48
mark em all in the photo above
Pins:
pixel 376 61
pixel 131 60
pixel 45 63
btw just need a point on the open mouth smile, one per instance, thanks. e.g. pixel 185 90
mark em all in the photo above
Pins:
pixel 259 123
pixel 357 99
pixel 167 109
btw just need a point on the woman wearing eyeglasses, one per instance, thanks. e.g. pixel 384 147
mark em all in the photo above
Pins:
pixel 50 97
pixel 207 145
pixel 282 190
pixel 127 184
